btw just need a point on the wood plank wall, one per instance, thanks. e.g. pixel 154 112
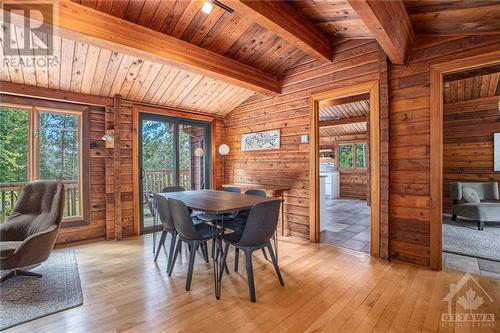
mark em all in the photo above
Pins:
pixel 468 142
pixel 409 88
pixel 354 62
pixel 354 184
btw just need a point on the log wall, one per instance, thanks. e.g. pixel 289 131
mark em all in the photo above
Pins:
pixel 409 88
pixel 355 62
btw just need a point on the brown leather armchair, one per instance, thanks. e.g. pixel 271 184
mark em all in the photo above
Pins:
pixel 29 235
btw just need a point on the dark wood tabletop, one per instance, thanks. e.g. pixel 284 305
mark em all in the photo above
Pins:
pixel 216 202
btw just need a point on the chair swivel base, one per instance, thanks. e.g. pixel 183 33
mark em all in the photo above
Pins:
pixel 19 272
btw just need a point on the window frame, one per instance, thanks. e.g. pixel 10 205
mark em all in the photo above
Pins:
pixel 353 147
pixel 34 107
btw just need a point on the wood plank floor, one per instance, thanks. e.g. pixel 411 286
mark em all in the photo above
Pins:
pixel 327 289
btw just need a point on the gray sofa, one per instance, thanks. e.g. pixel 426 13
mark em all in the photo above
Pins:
pixel 481 211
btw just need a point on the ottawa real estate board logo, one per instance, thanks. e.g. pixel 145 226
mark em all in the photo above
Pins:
pixel 28 34
pixel 468 305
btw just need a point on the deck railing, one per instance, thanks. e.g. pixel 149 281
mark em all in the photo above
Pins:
pixel 9 193
pixel 157 179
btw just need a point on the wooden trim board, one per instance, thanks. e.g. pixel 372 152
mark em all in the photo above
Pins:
pixel 371 87
pixel 437 71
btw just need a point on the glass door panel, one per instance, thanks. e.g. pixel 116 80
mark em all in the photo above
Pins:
pixel 173 151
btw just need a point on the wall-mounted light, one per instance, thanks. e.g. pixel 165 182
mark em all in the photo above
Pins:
pixel 223 149
pixel 109 139
pixel 207 7
pixel 198 152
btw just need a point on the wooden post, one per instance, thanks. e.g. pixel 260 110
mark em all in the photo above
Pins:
pixel 117 168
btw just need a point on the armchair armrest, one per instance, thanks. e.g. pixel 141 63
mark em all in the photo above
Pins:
pixel 15 230
pixel 37 248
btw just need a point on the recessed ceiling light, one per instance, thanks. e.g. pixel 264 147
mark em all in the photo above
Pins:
pixel 207 7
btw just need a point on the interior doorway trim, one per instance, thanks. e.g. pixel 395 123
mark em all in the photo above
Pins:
pixel 371 87
pixel 437 71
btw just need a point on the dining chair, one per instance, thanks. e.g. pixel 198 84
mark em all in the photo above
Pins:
pixel 194 235
pixel 243 214
pixel 232 189
pixel 259 229
pixel 168 227
pixel 259 193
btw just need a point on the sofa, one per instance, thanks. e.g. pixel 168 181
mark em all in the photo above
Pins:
pixel 476 201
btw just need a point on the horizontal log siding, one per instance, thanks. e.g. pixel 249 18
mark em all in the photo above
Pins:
pixel 410 137
pixel 355 62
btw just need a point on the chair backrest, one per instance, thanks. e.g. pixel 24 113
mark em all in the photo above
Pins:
pixel 164 211
pixel 260 193
pixel 485 191
pixel 182 220
pixel 174 188
pixel 261 223
pixel 43 203
pixel 232 189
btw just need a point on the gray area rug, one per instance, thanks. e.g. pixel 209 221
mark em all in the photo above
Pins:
pixel 23 299
pixel 462 237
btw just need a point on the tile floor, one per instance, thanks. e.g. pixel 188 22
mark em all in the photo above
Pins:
pixel 347 224
pixel 473 265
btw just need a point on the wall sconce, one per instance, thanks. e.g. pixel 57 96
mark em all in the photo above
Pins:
pixel 109 139
pixel 224 149
pixel 199 152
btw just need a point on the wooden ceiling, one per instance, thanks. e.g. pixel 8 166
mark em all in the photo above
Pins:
pixel 452 17
pixel 472 84
pixel 349 111
pixel 335 18
pixel 92 70
pixel 229 34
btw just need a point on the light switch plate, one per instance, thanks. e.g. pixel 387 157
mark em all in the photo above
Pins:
pixel 304 138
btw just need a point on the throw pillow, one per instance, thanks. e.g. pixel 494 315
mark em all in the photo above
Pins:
pixel 470 195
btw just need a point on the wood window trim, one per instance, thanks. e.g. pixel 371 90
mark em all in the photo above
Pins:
pixel 34 106
pixel 354 168
pixel 436 72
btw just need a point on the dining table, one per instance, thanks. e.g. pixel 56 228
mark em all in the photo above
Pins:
pixel 217 203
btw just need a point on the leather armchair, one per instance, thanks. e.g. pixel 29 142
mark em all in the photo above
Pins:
pixel 29 234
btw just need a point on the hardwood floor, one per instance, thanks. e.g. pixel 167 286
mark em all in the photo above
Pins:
pixel 327 289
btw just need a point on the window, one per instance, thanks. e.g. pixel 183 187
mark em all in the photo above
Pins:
pixel 345 156
pixel 352 156
pixel 360 155
pixel 38 143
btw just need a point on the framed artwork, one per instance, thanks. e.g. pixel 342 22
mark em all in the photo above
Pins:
pixel 496 152
pixel 260 140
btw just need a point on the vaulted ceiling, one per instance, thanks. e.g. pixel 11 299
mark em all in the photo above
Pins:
pixel 345 119
pixel 172 53
pixel 472 84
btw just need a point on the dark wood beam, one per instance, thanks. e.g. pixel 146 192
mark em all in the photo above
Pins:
pixel 87 25
pixel 390 24
pixel 343 121
pixel 344 100
pixel 284 21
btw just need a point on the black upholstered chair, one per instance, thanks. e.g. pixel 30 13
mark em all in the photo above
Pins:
pixel 29 235
pixel 259 193
pixel 195 235
pixel 259 229
pixel 168 227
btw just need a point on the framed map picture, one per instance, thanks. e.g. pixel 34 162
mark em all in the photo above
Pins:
pixel 496 151
pixel 260 140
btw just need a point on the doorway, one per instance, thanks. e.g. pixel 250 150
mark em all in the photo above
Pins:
pixel 356 157
pixel 172 152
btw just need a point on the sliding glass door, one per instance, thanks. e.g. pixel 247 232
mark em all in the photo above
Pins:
pixel 172 152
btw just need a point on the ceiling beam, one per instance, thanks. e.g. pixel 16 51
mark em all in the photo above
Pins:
pixel 90 26
pixel 343 121
pixel 344 100
pixel 284 21
pixel 390 24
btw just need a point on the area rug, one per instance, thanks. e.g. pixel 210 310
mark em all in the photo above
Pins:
pixel 23 299
pixel 462 237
